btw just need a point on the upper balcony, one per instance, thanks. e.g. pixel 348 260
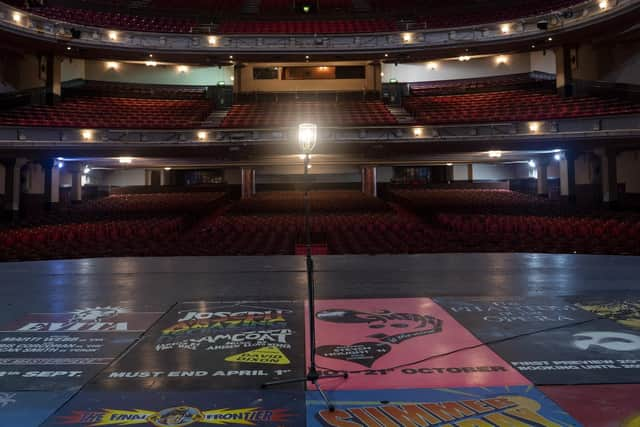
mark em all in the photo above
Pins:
pixel 419 37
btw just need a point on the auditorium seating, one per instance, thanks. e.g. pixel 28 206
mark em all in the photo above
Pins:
pixel 511 105
pixel 81 240
pixel 322 201
pixel 111 112
pixel 349 113
pixel 284 7
pixel 95 88
pixel 117 21
pixel 521 80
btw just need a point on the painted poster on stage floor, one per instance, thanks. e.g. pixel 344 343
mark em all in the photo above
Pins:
pixel 599 405
pixel 596 352
pixel 493 319
pixel 469 407
pixel 178 409
pixel 62 351
pixel 624 310
pixel 29 408
pixel 402 343
pixel 215 345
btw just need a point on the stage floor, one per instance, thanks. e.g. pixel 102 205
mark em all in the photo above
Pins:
pixel 450 339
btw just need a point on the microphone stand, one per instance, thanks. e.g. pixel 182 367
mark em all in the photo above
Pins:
pixel 313 376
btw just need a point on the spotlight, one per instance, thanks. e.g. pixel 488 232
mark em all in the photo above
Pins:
pixel 167 168
pixel 432 66
pixel 557 157
pixel 68 47
pixel 417 132
pixel 407 37
pixel 17 17
pixel 86 170
pixel 495 154
pixel 112 65
pixel 502 59
pixel 150 63
pixel 87 134
pixel 534 127
pixel 505 28
pixel 113 35
pixel 202 135
pixel 603 4
pixel 449 164
pixel 182 68
pixel 532 164
pixel 213 40
pixel 550 39
pixel 125 160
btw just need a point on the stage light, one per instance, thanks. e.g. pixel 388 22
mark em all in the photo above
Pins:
pixel 449 164
pixel 386 55
pixel 306 8
pixel 557 157
pixel 202 135
pixel 68 47
pixel 167 168
pixel 381 73
pixel 603 4
pixel 534 127
pixel 60 158
pixel 307 137
pixel 495 154
pixel 150 63
pixel 464 58
pixel 407 37
pixel 17 17
pixel 532 164
pixel 87 134
pixel 432 65
pixel 231 78
pixel 113 36
pixel 151 55
pixel 182 69
pixel 60 164
pixel 417 132
pixel 230 56
pixel 86 170
pixel 550 39
pixel 213 40
pixel 125 160
pixel 111 65
pixel 505 28
pixel 502 59
pixel 309 166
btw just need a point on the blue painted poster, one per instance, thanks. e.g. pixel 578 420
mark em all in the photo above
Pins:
pixel 177 409
pixel 451 407
pixel 29 409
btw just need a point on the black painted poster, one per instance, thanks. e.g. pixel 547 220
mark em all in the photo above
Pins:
pixel 492 319
pixel 215 345
pixel 596 352
pixel 624 310
pixel 62 351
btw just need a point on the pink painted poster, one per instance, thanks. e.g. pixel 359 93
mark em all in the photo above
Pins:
pixel 402 343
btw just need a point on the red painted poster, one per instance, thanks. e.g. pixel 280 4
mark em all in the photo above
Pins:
pixel 604 405
pixel 403 343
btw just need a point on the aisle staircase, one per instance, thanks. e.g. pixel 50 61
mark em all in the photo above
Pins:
pixel 401 115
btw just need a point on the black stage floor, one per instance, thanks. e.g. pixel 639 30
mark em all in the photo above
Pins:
pixel 450 339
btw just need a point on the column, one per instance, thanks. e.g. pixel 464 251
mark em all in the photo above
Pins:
pixel 564 71
pixel 53 79
pixel 51 183
pixel 609 173
pixel 165 178
pixel 543 185
pixel 76 182
pixel 12 186
pixel 369 181
pixel 148 177
pixel 568 176
pixel 470 172
pixel 248 176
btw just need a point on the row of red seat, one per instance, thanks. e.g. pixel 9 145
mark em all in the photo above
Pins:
pixel 511 105
pixel 117 21
pixel 111 238
pixel 322 201
pixel 110 112
pixel 353 113
pixel 284 7
pixel 457 85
